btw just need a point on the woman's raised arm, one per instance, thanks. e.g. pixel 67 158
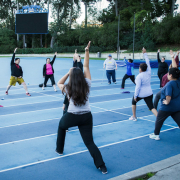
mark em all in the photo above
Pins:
pixel 87 73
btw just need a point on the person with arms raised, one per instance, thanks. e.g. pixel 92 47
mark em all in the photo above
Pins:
pixel 143 87
pixel 16 74
pixel 79 112
pixel 48 72
pixel 162 67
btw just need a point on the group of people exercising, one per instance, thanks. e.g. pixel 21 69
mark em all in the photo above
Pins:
pixel 76 108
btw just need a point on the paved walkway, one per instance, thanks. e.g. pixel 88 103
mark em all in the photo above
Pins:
pixel 168 169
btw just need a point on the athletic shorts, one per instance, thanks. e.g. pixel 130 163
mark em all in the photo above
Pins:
pixel 148 100
pixel 14 80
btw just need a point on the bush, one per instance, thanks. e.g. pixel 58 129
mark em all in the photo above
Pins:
pixel 63 49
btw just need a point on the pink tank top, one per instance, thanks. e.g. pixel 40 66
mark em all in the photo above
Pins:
pixel 49 70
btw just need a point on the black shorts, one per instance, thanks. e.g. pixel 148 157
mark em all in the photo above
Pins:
pixel 148 100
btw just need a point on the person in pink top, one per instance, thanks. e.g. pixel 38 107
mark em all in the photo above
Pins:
pixel 165 80
pixel 48 72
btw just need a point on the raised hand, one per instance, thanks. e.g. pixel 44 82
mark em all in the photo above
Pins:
pixel 55 53
pixel 143 50
pixel 158 50
pixel 75 51
pixel 171 53
pixel 178 52
pixel 88 46
pixel 15 50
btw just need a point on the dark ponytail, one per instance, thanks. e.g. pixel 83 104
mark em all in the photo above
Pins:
pixel 175 72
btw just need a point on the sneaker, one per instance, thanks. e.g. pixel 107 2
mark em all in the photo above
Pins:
pixel 109 83
pixel 153 136
pixel 28 94
pixel 115 82
pixel 43 88
pixel 58 152
pixel 133 118
pixel 6 92
pixel 55 90
pixel 103 169
pixel 121 88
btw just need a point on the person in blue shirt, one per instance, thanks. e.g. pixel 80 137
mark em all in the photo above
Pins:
pixel 129 73
pixel 170 102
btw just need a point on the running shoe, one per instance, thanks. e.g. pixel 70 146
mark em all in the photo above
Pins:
pixel 153 136
pixel 133 118
pixel 28 94
pixel 121 88
pixel 6 92
pixel 55 90
pixel 103 169
pixel 115 82
pixel 58 152
pixel 43 88
pixel 109 83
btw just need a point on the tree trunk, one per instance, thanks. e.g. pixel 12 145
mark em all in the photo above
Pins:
pixel 172 6
pixel 41 41
pixel 85 14
pixel 116 7
pixel 32 41
pixel 52 42
pixel 70 23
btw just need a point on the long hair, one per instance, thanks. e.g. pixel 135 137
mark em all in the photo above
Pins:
pixel 77 87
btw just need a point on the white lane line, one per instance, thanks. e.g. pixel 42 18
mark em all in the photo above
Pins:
pixel 59 90
pixel 34 103
pixel 154 122
pixel 141 118
pixel 28 123
pixel 59 117
pixel 110 110
pixel 58 157
pixel 29 111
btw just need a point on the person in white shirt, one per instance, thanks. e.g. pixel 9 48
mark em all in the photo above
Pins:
pixel 143 87
pixel 111 66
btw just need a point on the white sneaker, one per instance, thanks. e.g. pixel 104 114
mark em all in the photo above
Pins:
pixel 133 118
pixel 153 136
pixel 42 88
pixel 55 90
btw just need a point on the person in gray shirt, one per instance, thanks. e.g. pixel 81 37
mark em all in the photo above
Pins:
pixel 79 112
pixel 111 66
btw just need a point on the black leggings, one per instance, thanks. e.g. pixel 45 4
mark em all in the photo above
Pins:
pixel 148 100
pixel 47 77
pixel 85 125
pixel 126 77
pixel 162 116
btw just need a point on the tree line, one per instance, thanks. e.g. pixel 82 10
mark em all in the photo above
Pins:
pixel 155 22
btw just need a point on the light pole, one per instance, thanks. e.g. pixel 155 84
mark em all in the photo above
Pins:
pixel 118 38
pixel 17 10
pixel 134 36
